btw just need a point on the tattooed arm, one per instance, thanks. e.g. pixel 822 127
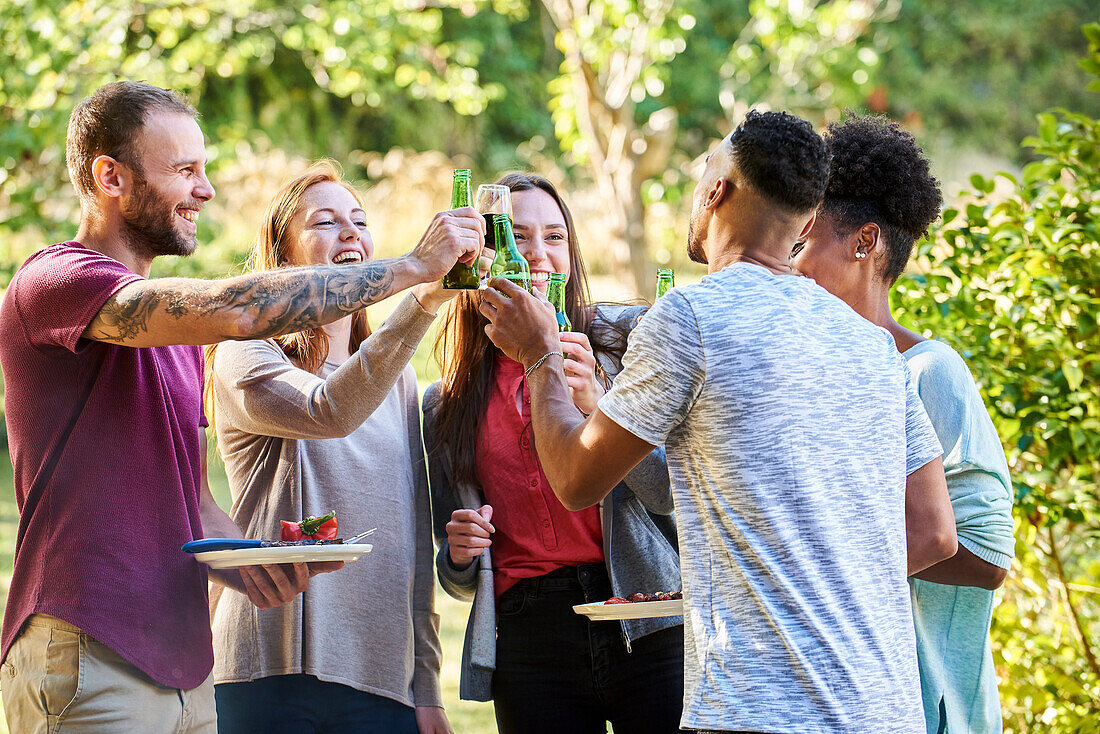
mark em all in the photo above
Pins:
pixel 163 311
pixel 259 305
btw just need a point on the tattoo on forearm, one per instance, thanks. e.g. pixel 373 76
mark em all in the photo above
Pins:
pixel 125 319
pixel 275 302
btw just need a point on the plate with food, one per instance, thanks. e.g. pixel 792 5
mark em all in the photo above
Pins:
pixel 310 540
pixel 635 606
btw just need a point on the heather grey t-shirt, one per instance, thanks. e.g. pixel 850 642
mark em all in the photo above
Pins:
pixel 790 425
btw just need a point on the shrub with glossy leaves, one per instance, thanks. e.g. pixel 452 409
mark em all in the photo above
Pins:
pixel 1012 280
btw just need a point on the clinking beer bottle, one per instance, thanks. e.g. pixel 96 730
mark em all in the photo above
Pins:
pixel 509 263
pixel 666 279
pixel 555 293
pixel 461 276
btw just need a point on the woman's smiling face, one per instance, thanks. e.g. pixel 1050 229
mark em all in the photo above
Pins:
pixel 329 228
pixel 542 236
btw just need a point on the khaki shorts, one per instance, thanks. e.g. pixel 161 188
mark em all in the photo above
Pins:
pixel 57 678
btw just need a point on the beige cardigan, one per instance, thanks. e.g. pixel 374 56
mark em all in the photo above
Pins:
pixel 298 444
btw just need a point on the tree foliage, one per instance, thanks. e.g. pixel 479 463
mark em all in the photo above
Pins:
pixel 948 65
pixel 1012 280
pixel 492 80
pixel 315 78
pixel 615 113
pixel 813 58
pixel 617 56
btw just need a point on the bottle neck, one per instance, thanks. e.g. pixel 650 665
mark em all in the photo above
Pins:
pixel 555 293
pixel 460 193
pixel 504 236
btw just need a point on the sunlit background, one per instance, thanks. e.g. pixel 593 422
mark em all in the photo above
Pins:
pixel 617 102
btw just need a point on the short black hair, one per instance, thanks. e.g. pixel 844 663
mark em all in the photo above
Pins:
pixel 783 158
pixel 109 123
pixel 879 174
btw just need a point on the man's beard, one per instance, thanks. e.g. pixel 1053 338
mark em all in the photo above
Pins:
pixel 148 224
pixel 695 250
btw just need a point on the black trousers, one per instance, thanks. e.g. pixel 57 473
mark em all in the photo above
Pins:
pixel 559 672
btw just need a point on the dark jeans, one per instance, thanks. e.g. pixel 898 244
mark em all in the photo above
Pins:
pixel 559 672
pixel 303 704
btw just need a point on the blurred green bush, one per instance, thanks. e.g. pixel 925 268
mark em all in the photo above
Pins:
pixel 1012 280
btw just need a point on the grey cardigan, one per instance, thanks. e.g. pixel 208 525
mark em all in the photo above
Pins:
pixel 639 534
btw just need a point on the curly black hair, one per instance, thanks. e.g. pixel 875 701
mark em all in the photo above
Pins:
pixel 783 158
pixel 879 174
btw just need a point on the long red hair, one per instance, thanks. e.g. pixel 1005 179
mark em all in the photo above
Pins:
pixel 272 249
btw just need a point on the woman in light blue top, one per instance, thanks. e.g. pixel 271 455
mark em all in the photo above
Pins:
pixel 881 198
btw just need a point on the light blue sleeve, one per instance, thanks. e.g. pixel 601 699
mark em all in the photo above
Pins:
pixel 921 444
pixel 663 372
pixel 974 461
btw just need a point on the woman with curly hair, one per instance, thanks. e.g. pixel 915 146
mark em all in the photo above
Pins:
pixel 546 668
pixel 881 198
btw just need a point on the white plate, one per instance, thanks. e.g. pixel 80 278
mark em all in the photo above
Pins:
pixel 285 554
pixel 631 610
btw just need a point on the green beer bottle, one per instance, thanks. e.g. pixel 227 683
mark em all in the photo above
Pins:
pixel 555 293
pixel 509 263
pixel 461 276
pixel 666 279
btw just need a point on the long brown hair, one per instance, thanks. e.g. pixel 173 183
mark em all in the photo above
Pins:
pixel 273 249
pixel 466 356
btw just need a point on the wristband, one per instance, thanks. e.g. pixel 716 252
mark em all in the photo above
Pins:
pixel 527 372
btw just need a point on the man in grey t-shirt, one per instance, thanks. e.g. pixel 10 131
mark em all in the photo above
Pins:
pixel 799 453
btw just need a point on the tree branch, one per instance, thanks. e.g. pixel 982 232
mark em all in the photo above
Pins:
pixel 1078 626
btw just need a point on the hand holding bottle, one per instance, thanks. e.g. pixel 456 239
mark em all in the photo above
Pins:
pixel 453 235
pixel 521 324
pixel 433 294
pixel 468 534
pixel 580 371
pixel 463 274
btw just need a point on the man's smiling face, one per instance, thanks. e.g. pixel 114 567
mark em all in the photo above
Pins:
pixel 170 186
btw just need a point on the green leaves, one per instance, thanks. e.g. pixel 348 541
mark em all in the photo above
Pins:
pixel 1021 272
pixel 1048 127
pixel 815 58
pixel 982 184
pixel 317 78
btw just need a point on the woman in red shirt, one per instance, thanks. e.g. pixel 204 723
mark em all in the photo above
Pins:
pixel 545 667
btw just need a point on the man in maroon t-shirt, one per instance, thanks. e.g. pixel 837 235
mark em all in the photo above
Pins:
pixel 106 625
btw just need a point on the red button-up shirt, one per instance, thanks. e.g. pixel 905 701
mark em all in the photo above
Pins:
pixel 534 534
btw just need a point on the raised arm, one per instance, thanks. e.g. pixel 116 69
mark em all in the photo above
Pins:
pixel 583 459
pixel 258 390
pixel 588 457
pixel 166 311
